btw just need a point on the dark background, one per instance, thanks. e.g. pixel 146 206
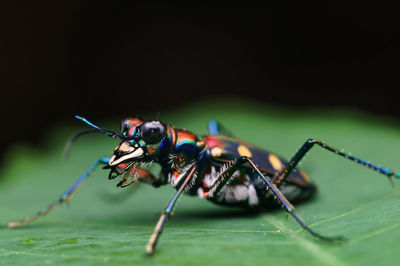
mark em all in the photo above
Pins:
pixel 111 58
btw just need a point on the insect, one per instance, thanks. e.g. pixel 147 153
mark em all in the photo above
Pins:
pixel 217 167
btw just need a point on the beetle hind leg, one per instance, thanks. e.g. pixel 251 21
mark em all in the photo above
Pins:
pixel 284 173
pixel 278 196
pixel 293 193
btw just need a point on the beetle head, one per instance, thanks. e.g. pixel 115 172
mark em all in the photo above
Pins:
pixel 141 142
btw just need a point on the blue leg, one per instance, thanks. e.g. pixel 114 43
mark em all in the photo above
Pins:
pixel 280 177
pixel 64 197
pixel 215 128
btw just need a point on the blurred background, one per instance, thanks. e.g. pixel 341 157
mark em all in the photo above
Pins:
pixel 108 59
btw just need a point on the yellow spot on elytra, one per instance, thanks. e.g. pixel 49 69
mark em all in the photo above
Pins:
pixel 216 151
pixel 244 151
pixel 275 162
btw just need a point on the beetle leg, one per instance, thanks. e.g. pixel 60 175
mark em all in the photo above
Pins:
pixel 134 173
pixel 168 212
pixel 278 196
pixel 142 176
pixel 281 176
pixel 224 176
pixel 147 177
pixel 64 197
pixel 215 128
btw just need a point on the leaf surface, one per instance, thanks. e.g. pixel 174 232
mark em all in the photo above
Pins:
pixel 104 224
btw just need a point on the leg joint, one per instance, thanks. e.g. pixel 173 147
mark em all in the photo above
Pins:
pixel 311 141
pixel 243 159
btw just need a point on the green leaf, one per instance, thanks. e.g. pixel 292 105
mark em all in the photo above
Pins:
pixel 104 224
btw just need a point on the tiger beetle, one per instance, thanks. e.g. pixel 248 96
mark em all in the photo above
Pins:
pixel 217 167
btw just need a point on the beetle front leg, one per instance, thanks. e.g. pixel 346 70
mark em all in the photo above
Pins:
pixel 64 197
pixel 142 175
pixel 148 178
pixel 167 212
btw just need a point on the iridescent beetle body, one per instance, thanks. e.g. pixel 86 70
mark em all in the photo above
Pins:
pixel 246 188
pixel 216 153
pixel 213 154
pixel 217 167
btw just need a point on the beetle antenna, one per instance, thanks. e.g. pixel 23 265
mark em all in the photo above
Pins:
pixel 72 140
pixel 109 133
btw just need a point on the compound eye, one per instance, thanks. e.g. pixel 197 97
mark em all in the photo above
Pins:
pixel 152 131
